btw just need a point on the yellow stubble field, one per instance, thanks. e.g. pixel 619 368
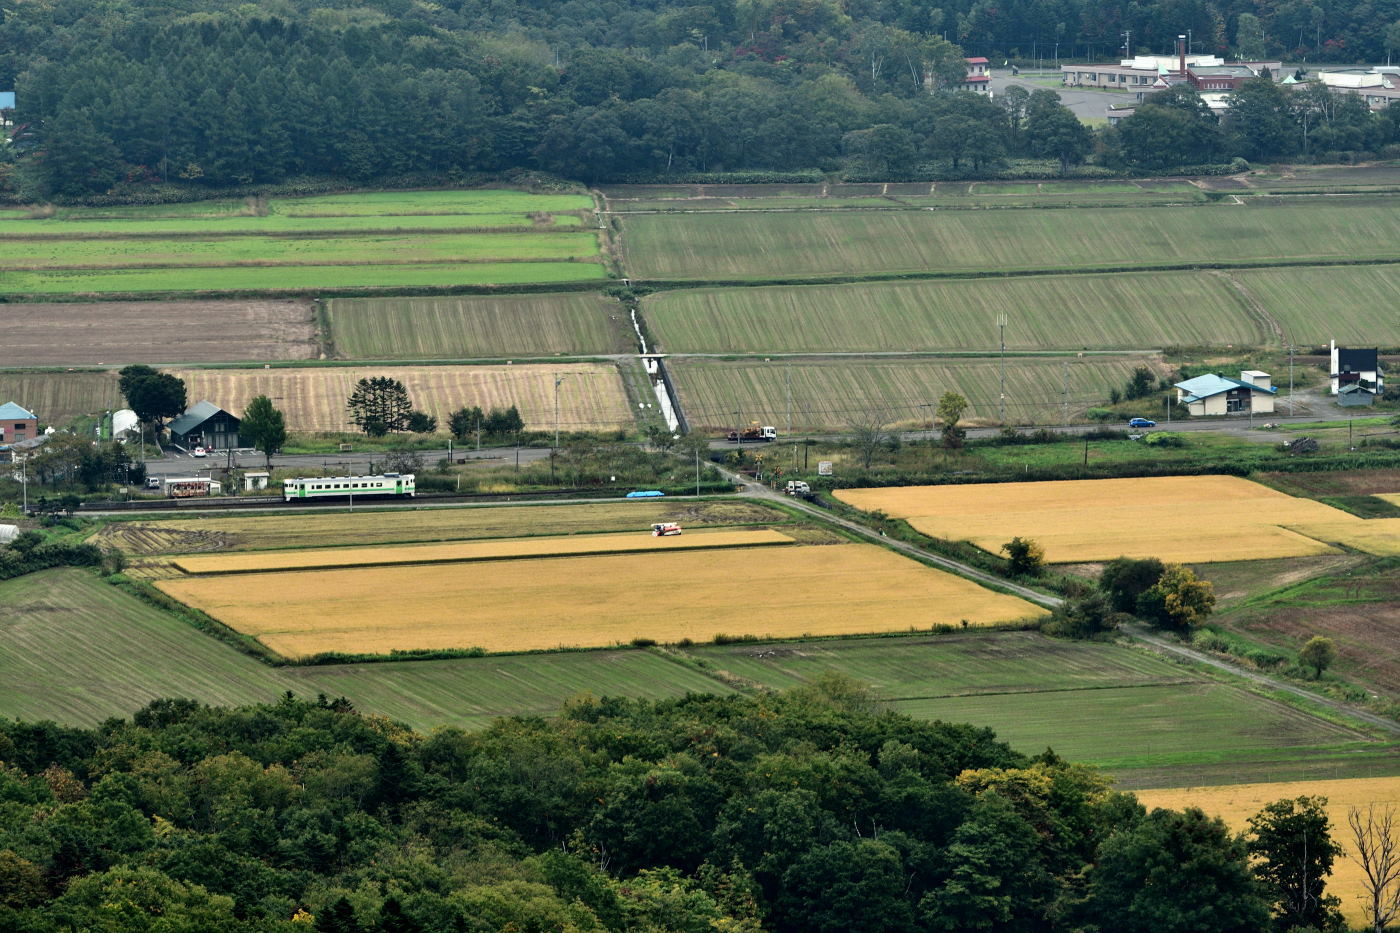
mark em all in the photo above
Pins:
pixel 472 551
pixel 1236 803
pixel 596 600
pixel 591 396
pixel 1199 519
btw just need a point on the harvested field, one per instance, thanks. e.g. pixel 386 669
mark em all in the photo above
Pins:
pixel 594 601
pixel 1339 483
pixel 1236 803
pixel 476 551
pixel 117 333
pixel 757 245
pixel 58 398
pixel 828 394
pixel 406 526
pixel 591 397
pixel 1196 519
pixel 1136 311
pixel 478 327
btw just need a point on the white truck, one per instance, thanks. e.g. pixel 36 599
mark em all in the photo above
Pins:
pixel 797 487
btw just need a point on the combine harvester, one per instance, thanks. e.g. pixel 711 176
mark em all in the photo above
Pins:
pixel 665 529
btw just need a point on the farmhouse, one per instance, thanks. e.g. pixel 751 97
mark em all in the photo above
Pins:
pixel 1359 368
pixel 978 78
pixel 205 424
pixel 1219 395
pixel 17 423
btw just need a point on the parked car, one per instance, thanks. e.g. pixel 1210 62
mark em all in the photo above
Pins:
pixel 1142 423
pixel 200 452
pixel 153 482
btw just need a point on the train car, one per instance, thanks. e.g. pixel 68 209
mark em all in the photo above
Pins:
pixel 385 485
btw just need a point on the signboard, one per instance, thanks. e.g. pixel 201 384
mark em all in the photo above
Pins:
pixel 823 467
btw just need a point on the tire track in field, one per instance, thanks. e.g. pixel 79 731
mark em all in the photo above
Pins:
pixel 1253 305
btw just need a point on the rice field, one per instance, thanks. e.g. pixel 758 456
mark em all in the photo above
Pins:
pixel 1188 519
pixel 591 396
pixel 757 246
pixel 594 601
pixel 637 541
pixel 1378 536
pixel 828 395
pixel 408 526
pixel 1121 311
pixel 1236 803
pixel 77 651
pixel 370 240
pixel 492 326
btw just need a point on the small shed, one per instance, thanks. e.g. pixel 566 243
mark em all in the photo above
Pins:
pixel 258 480
pixel 1355 395
pixel 205 424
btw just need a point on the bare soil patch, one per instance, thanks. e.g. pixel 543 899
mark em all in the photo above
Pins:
pixel 1366 635
pixel 1339 483
pixel 120 332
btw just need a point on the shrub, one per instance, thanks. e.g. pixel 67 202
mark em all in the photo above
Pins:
pixel 1024 558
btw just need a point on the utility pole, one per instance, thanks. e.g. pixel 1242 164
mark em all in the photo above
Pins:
pixel 1064 394
pixel 1290 380
pixel 1128 44
pixel 1001 404
pixel 24 481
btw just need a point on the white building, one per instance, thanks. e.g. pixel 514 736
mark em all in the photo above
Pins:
pixel 1220 395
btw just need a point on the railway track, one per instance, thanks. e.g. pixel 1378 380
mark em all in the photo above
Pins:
pixel 235 503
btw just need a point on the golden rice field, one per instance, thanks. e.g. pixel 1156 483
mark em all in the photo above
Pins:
pixel 591 396
pixel 1379 536
pixel 1236 803
pixel 1200 519
pixel 640 540
pixel 595 600
pixel 404 526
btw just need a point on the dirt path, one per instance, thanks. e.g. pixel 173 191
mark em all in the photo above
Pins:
pixel 1254 306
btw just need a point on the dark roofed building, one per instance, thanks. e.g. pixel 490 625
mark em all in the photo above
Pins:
pixel 205 424
pixel 1356 367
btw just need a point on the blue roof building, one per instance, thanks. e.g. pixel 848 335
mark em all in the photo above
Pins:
pixel 1213 394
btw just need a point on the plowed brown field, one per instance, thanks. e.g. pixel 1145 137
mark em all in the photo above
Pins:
pixel 120 332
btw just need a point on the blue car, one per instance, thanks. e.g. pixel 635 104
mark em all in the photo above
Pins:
pixel 1142 423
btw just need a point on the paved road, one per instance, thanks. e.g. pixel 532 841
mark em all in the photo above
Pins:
pixel 1082 103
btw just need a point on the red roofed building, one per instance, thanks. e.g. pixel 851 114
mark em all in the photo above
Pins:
pixel 978 78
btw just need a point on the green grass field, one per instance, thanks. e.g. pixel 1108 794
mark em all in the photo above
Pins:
pixel 478 327
pixel 1144 719
pixel 385 249
pixel 295 278
pixel 753 245
pixel 77 650
pixel 374 239
pixel 1140 310
pixel 1354 306
pixel 830 395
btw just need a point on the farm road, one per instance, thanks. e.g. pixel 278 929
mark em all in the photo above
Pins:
pixel 1137 631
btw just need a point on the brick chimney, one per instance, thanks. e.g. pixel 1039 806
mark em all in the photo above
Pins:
pixel 1181 53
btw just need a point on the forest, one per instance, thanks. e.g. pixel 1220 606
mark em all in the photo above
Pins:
pixel 207 94
pixel 794 811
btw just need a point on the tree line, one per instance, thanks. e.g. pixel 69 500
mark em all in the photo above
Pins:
pixel 798 811
pixel 233 95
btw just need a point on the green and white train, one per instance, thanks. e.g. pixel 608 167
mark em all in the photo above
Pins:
pixel 342 487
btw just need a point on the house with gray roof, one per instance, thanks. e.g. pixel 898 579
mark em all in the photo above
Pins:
pixel 1213 394
pixel 205 424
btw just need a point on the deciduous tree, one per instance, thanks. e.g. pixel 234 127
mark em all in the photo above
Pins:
pixel 1317 653
pixel 264 426
pixel 1375 832
pixel 1291 844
